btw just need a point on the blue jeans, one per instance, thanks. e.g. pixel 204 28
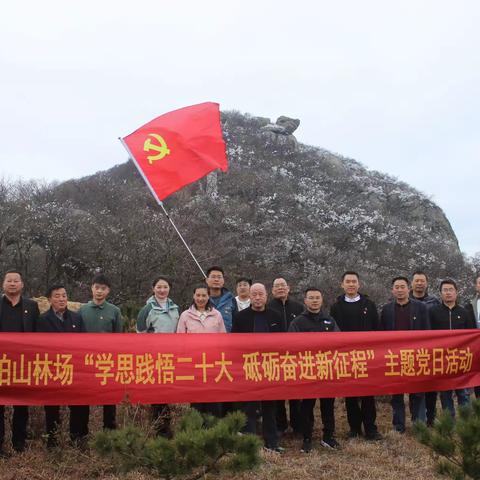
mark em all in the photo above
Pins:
pixel 417 409
pixel 446 399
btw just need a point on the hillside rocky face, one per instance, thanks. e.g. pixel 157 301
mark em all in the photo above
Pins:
pixel 283 208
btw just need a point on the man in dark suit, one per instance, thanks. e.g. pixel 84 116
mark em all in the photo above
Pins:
pixel 257 318
pixel 17 314
pixel 59 319
pixel 355 312
pixel 288 309
pixel 405 313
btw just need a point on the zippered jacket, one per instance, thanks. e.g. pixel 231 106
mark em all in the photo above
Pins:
pixel 153 318
pixel 313 322
pixel 444 318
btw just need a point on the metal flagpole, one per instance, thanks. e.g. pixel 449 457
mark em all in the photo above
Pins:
pixel 161 205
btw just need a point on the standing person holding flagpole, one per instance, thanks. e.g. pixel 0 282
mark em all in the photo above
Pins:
pixel 176 149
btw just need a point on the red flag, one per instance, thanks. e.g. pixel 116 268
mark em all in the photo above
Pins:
pixel 178 148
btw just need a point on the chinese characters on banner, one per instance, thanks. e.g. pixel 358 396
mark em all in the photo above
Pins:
pixel 42 369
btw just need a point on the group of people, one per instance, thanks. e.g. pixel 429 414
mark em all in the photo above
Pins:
pixel 214 309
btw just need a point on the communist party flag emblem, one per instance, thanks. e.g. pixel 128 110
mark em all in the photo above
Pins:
pixel 160 148
pixel 178 148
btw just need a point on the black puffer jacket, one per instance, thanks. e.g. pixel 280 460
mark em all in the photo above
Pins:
pixel 313 322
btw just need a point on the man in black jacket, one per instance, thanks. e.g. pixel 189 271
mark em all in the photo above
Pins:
pixel 288 309
pixel 17 314
pixel 419 291
pixel 314 319
pixel 59 319
pixel 257 318
pixel 451 316
pixel 405 313
pixel 354 312
pixel 473 307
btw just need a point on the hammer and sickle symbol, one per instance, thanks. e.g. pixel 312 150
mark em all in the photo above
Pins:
pixel 160 147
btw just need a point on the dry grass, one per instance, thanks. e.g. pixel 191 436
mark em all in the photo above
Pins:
pixel 396 457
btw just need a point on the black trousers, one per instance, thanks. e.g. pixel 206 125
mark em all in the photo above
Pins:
pixel 19 426
pixel 361 410
pixel 431 406
pixel 327 414
pixel 477 392
pixel 294 411
pixel 269 424
pixel 109 417
pixel 78 422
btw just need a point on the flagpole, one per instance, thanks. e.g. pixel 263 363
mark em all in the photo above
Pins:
pixel 162 206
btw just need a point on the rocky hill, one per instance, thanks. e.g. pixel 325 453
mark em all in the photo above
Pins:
pixel 283 208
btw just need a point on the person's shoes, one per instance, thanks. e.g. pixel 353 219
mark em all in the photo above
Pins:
pixel 374 436
pixel 52 442
pixel 80 443
pixel 3 453
pixel 306 445
pixel 430 423
pixel 19 447
pixel 278 450
pixel 330 442
pixel 399 429
pixel 353 434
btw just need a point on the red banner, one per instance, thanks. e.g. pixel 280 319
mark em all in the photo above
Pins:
pixel 96 369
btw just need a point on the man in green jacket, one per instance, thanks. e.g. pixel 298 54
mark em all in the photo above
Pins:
pixel 100 316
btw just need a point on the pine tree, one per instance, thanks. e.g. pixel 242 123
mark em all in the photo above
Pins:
pixel 455 443
pixel 201 444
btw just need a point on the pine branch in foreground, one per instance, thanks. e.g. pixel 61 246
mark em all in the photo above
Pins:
pixel 200 445
pixel 455 443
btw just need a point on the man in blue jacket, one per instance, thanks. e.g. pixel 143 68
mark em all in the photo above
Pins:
pixel 405 313
pixel 221 298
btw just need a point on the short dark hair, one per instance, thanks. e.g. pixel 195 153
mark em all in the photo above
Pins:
pixel 311 289
pixel 215 268
pixel 448 281
pixel 244 279
pixel 209 304
pixel 400 277
pixel 101 279
pixel 161 277
pixel 420 272
pixel 350 272
pixel 51 288
pixel 12 270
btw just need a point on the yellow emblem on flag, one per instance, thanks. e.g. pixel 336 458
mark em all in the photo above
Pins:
pixel 160 147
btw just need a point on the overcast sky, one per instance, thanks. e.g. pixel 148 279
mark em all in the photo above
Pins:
pixel 395 85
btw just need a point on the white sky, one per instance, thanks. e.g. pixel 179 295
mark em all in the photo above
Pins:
pixel 395 85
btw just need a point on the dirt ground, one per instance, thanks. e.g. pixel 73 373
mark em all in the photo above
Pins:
pixel 396 457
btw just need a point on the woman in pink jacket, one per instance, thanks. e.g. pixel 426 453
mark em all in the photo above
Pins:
pixel 202 317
